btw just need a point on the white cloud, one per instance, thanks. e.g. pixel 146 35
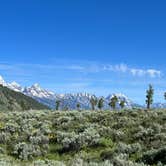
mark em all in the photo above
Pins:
pixel 137 72
pixel 149 72
pixel 133 71
pixel 118 67
pixel 153 72
pixel 122 68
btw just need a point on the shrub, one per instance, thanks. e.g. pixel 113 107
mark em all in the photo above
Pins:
pixel 48 163
pixel 107 154
pixel 26 151
pixel 106 142
pixel 128 149
pixel 73 141
pixel 4 137
pixel 154 156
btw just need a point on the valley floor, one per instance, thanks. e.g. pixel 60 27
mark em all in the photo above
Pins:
pixel 83 138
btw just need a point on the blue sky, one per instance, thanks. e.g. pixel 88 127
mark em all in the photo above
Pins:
pixel 97 46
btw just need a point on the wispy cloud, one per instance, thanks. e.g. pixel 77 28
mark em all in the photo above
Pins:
pixel 122 68
pixel 86 68
pixel 133 71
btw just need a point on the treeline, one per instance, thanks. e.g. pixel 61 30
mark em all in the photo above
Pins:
pixel 98 103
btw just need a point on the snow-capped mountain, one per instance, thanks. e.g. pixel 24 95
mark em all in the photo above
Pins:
pixel 41 95
pixel 36 91
pixel 15 86
pixel 70 101
pixel 67 101
pixel 121 97
pixel 83 99
pixel 159 105
pixel 2 81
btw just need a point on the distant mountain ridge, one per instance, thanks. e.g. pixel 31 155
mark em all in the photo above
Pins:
pixel 11 100
pixel 70 100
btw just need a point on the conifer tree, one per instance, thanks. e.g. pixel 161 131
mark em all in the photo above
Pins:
pixel 122 104
pixel 149 96
pixel 78 106
pixel 165 95
pixel 57 104
pixel 113 102
pixel 100 103
pixel 93 102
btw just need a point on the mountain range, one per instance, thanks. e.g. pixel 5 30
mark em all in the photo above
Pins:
pixel 11 100
pixel 70 100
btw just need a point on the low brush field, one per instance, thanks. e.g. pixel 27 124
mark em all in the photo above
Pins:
pixel 83 138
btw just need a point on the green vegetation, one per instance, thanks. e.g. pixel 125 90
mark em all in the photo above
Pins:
pixel 113 102
pixel 11 100
pixel 149 96
pixel 122 104
pixel 78 106
pixel 165 95
pixel 101 103
pixel 83 138
pixel 93 102
pixel 57 104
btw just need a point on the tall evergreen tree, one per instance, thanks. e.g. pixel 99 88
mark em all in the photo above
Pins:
pixel 100 103
pixel 93 102
pixel 165 95
pixel 78 106
pixel 149 96
pixel 57 104
pixel 122 104
pixel 113 102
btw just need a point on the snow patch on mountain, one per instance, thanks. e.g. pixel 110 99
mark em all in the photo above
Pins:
pixel 159 105
pixel 36 91
pixel 15 86
pixel 2 81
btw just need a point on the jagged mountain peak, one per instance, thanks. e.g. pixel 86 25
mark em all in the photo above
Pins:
pixel 15 86
pixel 79 94
pixel 36 91
pixel 2 81
pixel 119 95
pixel 36 86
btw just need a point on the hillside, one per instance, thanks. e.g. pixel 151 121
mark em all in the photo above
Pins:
pixel 83 138
pixel 12 100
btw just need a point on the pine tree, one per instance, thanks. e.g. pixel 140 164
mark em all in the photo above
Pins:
pixel 101 103
pixel 165 95
pixel 57 104
pixel 93 102
pixel 78 106
pixel 113 102
pixel 122 104
pixel 149 96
